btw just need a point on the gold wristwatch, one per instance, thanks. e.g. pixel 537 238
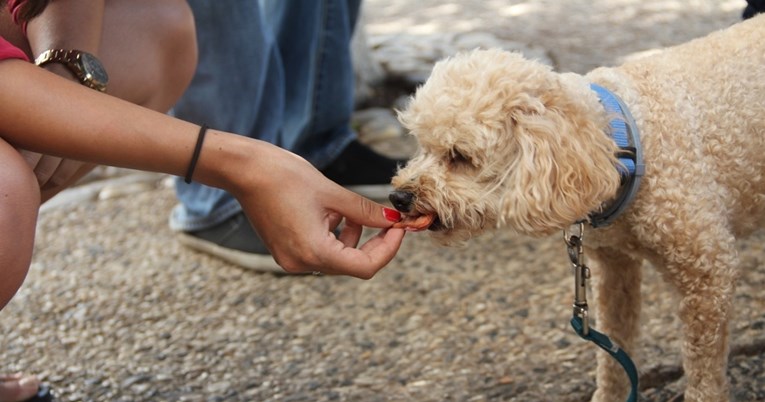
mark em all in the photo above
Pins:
pixel 86 67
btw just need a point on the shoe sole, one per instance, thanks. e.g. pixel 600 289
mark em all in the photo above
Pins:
pixel 255 262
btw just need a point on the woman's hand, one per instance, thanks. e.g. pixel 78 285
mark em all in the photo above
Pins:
pixel 53 173
pixel 295 210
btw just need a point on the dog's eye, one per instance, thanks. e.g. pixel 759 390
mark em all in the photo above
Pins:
pixel 458 159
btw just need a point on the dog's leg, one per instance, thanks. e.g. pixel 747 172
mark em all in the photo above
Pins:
pixel 705 273
pixel 618 315
pixel 707 289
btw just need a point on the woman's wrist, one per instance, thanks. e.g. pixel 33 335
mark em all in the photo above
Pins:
pixel 228 161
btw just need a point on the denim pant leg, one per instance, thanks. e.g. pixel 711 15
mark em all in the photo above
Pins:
pixel 276 70
pixel 319 74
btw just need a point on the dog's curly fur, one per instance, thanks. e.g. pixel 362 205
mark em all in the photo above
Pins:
pixel 507 142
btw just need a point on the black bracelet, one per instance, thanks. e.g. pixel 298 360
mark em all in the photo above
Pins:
pixel 197 150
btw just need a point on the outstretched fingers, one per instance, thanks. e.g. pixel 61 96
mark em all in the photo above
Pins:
pixel 365 261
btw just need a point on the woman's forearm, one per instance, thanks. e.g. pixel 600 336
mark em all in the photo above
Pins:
pixel 44 113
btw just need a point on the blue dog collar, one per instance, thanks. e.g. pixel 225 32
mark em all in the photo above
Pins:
pixel 625 133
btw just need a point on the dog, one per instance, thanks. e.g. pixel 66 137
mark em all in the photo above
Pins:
pixel 507 143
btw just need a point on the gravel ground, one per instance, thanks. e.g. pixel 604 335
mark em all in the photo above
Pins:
pixel 115 310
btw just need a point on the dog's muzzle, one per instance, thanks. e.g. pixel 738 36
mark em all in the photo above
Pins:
pixel 403 201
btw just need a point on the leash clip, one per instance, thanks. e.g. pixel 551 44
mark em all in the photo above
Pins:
pixel 575 250
pixel 581 319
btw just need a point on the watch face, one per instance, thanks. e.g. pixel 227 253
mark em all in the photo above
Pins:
pixel 94 70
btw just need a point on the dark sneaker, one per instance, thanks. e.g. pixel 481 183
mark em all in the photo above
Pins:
pixel 235 241
pixel 753 8
pixel 363 171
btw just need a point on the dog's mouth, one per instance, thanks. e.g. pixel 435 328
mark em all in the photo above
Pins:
pixel 436 225
pixel 414 219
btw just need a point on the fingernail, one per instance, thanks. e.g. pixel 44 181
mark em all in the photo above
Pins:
pixel 391 214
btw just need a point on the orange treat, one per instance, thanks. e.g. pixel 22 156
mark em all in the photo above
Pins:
pixel 415 223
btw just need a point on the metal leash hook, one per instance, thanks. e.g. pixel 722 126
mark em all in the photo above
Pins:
pixel 581 321
pixel 581 274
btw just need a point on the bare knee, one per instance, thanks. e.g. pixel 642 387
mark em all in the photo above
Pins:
pixel 19 203
pixel 149 49
pixel 175 23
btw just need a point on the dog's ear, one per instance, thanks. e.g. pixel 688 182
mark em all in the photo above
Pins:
pixel 562 166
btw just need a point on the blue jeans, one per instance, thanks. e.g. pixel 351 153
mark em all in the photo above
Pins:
pixel 275 70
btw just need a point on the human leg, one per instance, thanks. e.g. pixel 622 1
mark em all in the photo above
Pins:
pixel 318 74
pixel 320 94
pixel 19 202
pixel 238 87
pixel 149 51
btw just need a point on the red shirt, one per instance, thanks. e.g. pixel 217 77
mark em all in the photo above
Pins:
pixel 8 51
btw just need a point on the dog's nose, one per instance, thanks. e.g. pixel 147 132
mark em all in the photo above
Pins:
pixel 401 200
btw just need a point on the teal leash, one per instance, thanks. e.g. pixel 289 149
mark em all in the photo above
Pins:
pixel 604 342
pixel 581 321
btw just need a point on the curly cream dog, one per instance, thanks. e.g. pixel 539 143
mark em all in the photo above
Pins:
pixel 506 142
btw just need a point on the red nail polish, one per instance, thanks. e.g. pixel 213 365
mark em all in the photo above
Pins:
pixel 391 214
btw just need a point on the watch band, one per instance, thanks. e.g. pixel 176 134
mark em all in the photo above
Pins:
pixel 85 67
